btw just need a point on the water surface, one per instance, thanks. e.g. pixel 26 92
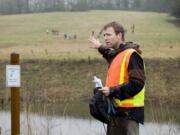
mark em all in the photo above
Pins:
pixel 74 119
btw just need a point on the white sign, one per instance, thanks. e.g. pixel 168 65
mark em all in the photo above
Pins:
pixel 13 76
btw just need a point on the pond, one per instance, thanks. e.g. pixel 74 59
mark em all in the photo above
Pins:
pixel 74 119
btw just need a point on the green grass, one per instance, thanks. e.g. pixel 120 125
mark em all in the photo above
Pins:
pixel 27 33
pixel 61 69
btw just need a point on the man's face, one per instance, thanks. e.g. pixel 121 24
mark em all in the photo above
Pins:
pixel 111 39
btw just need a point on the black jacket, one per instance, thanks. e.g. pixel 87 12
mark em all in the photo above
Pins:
pixel 136 79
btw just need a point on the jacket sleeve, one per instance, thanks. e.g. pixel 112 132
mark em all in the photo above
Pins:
pixel 136 79
pixel 107 53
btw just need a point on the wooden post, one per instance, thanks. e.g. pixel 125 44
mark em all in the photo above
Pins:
pixel 15 101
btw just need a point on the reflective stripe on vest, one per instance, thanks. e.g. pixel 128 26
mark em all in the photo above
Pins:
pixel 118 74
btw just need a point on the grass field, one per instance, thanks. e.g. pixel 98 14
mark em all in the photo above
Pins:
pixel 26 33
pixel 61 70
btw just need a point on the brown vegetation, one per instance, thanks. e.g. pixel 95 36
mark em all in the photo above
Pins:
pixel 71 80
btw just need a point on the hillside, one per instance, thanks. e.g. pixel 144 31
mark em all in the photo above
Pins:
pixel 42 35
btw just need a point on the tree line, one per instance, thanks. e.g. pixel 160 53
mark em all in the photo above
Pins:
pixel 31 6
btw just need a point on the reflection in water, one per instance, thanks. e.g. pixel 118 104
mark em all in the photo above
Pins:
pixel 56 125
pixel 41 125
pixel 75 120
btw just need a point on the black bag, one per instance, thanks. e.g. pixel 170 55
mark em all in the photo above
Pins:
pixel 102 107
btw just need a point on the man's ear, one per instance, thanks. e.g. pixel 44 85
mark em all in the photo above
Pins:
pixel 119 35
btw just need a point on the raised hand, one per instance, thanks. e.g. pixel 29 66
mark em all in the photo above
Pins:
pixel 95 43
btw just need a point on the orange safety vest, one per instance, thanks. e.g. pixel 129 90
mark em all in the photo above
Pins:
pixel 118 74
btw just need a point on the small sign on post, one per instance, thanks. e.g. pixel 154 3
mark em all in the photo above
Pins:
pixel 13 76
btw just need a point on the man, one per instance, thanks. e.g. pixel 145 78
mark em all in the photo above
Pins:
pixel 125 79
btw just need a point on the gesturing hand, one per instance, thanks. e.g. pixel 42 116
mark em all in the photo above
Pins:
pixel 95 42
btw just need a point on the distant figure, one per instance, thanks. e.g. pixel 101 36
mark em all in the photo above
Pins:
pixel 92 33
pixel 65 36
pixel 75 36
pixel 69 37
pixel 133 29
pixel 171 46
pixel 55 32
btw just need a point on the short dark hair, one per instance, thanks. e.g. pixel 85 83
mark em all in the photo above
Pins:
pixel 118 28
